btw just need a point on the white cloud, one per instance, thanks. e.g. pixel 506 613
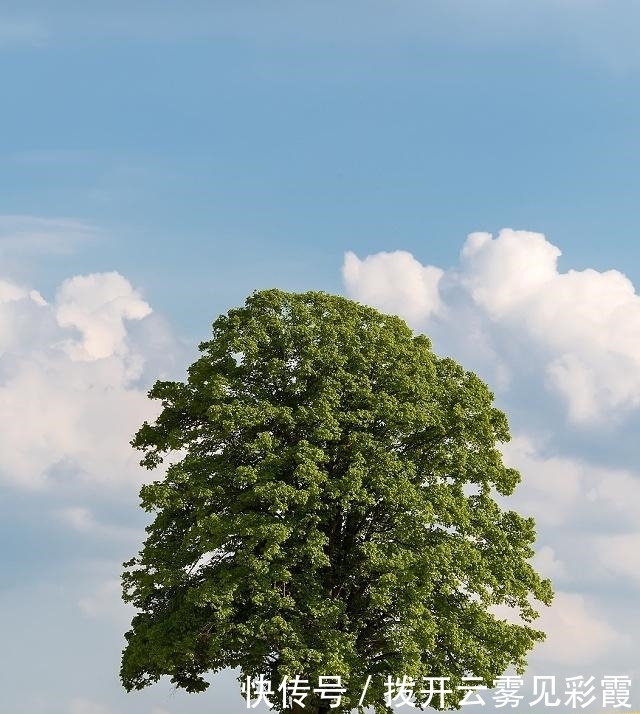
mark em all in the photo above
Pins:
pixel 77 420
pixel 551 486
pixel 10 292
pixel 501 275
pixel 587 322
pixel 71 403
pixel 580 329
pixel 619 555
pixel 395 282
pixel 563 492
pixel 97 305
pixel 577 633
pixel 548 565
pixel 17 303
pixel 616 491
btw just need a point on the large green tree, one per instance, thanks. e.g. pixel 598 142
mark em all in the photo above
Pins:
pixel 329 511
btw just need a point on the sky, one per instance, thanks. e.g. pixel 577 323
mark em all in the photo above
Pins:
pixel 469 165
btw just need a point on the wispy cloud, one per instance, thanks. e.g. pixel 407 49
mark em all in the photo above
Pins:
pixel 21 32
pixel 598 31
pixel 22 235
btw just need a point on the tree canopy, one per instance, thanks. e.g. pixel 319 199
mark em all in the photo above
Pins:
pixel 329 511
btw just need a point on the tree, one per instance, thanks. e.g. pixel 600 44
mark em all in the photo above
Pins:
pixel 330 512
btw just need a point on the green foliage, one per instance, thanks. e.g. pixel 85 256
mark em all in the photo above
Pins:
pixel 331 512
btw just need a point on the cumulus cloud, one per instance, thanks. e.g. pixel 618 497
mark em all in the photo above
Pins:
pixel 502 275
pixel 395 282
pixel 97 306
pixel 17 303
pixel 12 293
pixel 69 382
pixel 587 322
pixel 582 326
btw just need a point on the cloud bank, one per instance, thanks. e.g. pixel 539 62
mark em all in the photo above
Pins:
pixel 74 367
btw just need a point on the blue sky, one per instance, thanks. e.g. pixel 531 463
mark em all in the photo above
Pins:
pixel 159 163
